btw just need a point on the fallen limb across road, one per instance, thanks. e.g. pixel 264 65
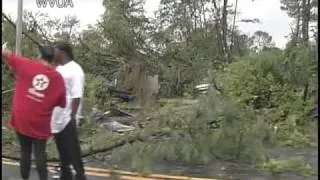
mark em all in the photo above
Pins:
pixel 106 148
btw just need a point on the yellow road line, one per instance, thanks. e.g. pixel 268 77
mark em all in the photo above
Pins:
pixel 51 168
pixel 89 173
pixel 10 163
pixel 135 178
pixel 124 174
pixel 161 176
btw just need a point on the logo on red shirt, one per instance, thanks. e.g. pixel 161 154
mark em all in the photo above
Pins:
pixel 40 82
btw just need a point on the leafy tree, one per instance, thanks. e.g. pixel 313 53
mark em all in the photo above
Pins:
pixel 261 40
pixel 125 27
pixel 303 12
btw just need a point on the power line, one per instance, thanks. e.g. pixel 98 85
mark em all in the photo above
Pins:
pixel 37 43
pixel 23 32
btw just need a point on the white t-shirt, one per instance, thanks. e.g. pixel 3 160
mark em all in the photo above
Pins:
pixel 73 76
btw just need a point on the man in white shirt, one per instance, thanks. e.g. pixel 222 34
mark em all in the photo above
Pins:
pixel 64 120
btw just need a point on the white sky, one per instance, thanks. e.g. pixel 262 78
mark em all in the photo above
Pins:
pixel 273 20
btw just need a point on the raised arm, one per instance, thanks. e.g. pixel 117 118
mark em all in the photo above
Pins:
pixel 12 59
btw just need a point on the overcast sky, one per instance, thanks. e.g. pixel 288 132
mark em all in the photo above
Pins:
pixel 273 20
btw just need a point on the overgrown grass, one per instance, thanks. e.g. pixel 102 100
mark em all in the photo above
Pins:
pixel 291 164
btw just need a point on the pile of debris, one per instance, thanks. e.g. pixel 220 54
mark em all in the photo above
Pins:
pixel 115 120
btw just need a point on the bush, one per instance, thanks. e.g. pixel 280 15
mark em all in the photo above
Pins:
pixel 302 64
pixel 255 75
pixel 95 93
pixel 292 164
pixel 279 85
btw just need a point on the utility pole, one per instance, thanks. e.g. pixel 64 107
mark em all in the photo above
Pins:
pixel 19 27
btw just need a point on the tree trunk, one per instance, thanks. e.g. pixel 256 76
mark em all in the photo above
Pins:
pixel 297 33
pixel 218 26
pixel 195 15
pixel 188 28
pixel 305 20
pixel 204 19
pixel 233 26
pixel 305 92
pixel 224 30
pixel 200 18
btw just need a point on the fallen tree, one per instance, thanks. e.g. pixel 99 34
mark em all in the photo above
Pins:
pixel 106 148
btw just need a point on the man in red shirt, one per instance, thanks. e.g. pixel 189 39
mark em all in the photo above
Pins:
pixel 38 89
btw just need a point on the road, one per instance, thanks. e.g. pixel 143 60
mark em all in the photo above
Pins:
pixel 10 171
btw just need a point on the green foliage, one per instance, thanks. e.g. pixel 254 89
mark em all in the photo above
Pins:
pixel 193 140
pixel 289 133
pixel 293 164
pixel 7 84
pixel 8 136
pixel 302 64
pixel 254 75
pixel 185 44
pixel 242 131
pixel 7 75
pixel 95 93
pixel 125 26
pixel 272 76
pixel 9 140
pixel 94 136
pixel 185 64
pixel 276 81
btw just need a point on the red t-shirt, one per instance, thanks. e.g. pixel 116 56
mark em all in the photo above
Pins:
pixel 38 89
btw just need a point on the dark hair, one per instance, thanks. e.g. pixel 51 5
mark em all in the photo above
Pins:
pixel 66 48
pixel 46 52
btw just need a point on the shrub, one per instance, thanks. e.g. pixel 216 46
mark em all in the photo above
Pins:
pixel 95 93
pixel 254 76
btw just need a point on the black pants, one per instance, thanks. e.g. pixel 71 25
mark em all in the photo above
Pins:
pixel 39 153
pixel 70 153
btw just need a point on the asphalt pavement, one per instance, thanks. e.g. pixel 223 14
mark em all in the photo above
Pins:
pixel 11 172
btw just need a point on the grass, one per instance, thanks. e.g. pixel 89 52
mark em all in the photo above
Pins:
pixel 291 164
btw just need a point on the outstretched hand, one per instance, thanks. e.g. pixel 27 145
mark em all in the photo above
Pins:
pixel 4 46
pixel 5 51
